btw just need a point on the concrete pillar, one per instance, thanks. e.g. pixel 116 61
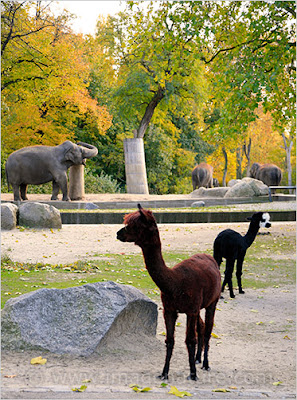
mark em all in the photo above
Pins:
pixel 136 179
pixel 77 182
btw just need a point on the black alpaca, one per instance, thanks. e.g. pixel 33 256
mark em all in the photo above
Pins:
pixel 232 246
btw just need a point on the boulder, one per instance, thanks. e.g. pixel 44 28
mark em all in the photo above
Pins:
pixel 233 182
pixel 8 216
pixel 212 192
pixel 247 187
pixel 91 206
pixel 76 320
pixel 38 215
pixel 198 204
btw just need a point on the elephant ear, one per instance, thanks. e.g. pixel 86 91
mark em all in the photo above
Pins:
pixel 68 150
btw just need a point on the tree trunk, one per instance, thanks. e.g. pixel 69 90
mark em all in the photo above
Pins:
pixel 76 182
pixel 149 112
pixel 247 152
pixel 226 166
pixel 288 149
pixel 238 163
pixel 136 179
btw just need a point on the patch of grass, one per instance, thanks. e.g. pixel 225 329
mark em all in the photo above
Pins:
pixel 260 270
pixel 19 278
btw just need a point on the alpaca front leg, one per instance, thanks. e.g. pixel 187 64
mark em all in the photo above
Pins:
pixel 191 344
pixel 170 319
pixel 200 333
pixel 239 265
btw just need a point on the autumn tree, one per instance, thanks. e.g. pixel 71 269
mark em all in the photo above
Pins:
pixel 44 79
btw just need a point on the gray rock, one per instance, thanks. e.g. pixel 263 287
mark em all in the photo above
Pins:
pixel 91 206
pixel 233 182
pixel 247 187
pixel 198 204
pixel 212 192
pixel 38 215
pixel 8 216
pixel 76 320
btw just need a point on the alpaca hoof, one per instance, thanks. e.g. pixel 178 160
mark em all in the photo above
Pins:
pixel 242 291
pixel 232 295
pixel 192 377
pixel 222 297
pixel 198 361
pixel 206 368
pixel 163 377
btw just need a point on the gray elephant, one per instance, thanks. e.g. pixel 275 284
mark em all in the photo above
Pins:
pixel 270 174
pixel 40 164
pixel 202 176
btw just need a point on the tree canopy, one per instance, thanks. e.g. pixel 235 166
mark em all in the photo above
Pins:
pixel 191 77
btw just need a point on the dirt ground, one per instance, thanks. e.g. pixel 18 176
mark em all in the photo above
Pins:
pixel 253 355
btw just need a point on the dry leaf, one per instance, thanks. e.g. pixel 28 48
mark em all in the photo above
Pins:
pixel 10 376
pixel 81 389
pixel 221 390
pixel 277 383
pixel 215 336
pixel 173 390
pixel 38 360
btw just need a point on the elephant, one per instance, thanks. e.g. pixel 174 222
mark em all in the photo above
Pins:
pixel 40 164
pixel 269 174
pixel 202 176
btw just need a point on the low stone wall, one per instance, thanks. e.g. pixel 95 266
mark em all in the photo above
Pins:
pixel 172 217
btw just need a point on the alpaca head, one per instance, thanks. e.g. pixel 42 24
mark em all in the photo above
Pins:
pixel 260 220
pixel 140 228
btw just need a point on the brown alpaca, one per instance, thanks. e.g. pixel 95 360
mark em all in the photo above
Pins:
pixel 188 287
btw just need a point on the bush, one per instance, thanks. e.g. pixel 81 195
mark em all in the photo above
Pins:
pixel 102 183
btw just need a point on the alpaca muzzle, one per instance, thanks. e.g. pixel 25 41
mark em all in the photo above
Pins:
pixel 121 235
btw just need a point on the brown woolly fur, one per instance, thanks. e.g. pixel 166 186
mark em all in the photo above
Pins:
pixel 188 287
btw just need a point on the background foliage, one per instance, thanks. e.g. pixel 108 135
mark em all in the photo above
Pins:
pixel 197 80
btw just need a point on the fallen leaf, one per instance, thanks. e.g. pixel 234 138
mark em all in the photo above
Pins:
pixel 81 389
pixel 215 336
pixel 254 311
pixel 163 384
pixel 233 387
pixel 87 381
pixel 10 376
pixel 38 360
pixel 221 390
pixel 277 383
pixel 173 390
pixel 137 388
pixel 162 333
pixel 287 337
pixel 259 323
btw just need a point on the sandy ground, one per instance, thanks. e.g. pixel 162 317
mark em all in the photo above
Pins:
pixel 254 350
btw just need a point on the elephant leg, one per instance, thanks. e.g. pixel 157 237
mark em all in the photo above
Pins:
pixel 16 193
pixel 62 183
pixel 23 190
pixel 55 191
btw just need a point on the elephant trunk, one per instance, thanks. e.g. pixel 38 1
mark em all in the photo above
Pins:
pixel 88 150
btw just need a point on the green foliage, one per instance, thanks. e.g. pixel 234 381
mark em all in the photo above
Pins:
pixel 102 183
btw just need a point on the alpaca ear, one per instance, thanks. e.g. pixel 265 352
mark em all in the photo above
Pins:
pixel 142 215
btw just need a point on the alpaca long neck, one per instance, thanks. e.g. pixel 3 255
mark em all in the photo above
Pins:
pixel 251 234
pixel 156 266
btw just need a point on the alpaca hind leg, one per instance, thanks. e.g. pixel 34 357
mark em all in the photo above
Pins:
pixel 228 276
pixel 239 273
pixel 191 341
pixel 170 319
pixel 200 333
pixel 209 319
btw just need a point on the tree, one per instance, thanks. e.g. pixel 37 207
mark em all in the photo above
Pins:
pixel 157 60
pixel 44 79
